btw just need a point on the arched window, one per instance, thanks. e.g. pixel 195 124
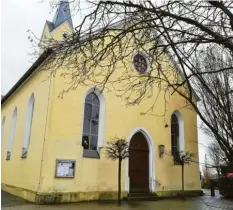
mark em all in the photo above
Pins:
pixel 91 122
pixel 12 134
pixel 28 126
pixel 174 135
pixel 3 125
pixel 177 133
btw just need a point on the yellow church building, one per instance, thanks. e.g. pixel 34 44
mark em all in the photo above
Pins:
pixel 53 150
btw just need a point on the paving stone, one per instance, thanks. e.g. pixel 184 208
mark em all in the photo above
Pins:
pixel 198 203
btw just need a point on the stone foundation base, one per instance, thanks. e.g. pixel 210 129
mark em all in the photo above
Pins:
pixel 175 193
pixel 49 198
pixel 26 194
pixel 52 198
pixel 60 197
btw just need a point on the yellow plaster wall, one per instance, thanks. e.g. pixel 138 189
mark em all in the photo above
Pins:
pixel 64 138
pixel 58 32
pixel 65 134
pixel 18 172
pixel 45 36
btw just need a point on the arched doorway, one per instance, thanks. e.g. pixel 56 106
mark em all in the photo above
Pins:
pixel 138 164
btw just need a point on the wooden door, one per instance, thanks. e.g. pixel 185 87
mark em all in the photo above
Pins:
pixel 139 164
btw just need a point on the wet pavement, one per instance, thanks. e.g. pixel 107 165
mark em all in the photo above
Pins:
pixel 8 200
pixel 206 202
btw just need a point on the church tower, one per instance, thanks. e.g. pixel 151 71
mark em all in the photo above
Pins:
pixel 60 27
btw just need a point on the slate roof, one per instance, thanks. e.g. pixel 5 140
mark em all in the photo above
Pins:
pixel 63 14
pixel 50 25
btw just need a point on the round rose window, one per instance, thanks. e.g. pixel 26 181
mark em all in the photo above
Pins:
pixel 140 63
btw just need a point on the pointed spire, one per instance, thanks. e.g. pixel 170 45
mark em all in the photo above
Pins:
pixel 63 14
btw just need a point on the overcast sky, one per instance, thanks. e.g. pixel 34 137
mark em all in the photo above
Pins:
pixel 17 17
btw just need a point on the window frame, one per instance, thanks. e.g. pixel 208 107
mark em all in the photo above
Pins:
pixel 12 133
pixel 28 125
pixel 3 127
pixel 145 55
pixel 180 137
pixel 90 134
pixel 101 125
pixel 174 135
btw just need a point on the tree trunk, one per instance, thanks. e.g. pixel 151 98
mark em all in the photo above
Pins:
pixel 119 181
pixel 182 166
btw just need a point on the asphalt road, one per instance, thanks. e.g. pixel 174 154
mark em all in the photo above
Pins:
pixel 8 200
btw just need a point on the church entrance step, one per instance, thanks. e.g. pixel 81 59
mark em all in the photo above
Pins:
pixel 142 196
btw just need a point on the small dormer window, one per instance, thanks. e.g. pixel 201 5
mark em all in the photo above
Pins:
pixel 65 35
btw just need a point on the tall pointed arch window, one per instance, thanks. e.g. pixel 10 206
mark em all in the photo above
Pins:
pixel 91 122
pixel 174 135
pixel 2 127
pixel 28 126
pixel 12 134
pixel 177 135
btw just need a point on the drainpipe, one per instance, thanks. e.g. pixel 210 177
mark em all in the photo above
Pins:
pixel 45 131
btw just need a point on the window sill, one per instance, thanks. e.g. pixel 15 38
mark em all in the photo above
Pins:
pixel 91 154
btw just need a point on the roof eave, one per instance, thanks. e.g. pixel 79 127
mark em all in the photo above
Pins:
pixel 27 74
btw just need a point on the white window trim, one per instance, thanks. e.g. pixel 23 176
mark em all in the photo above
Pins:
pixel 12 130
pixel 101 128
pixel 3 126
pixel 28 124
pixel 181 130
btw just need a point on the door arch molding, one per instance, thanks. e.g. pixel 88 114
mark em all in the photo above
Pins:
pixel 150 143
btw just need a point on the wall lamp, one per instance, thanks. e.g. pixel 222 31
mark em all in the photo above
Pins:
pixel 161 150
